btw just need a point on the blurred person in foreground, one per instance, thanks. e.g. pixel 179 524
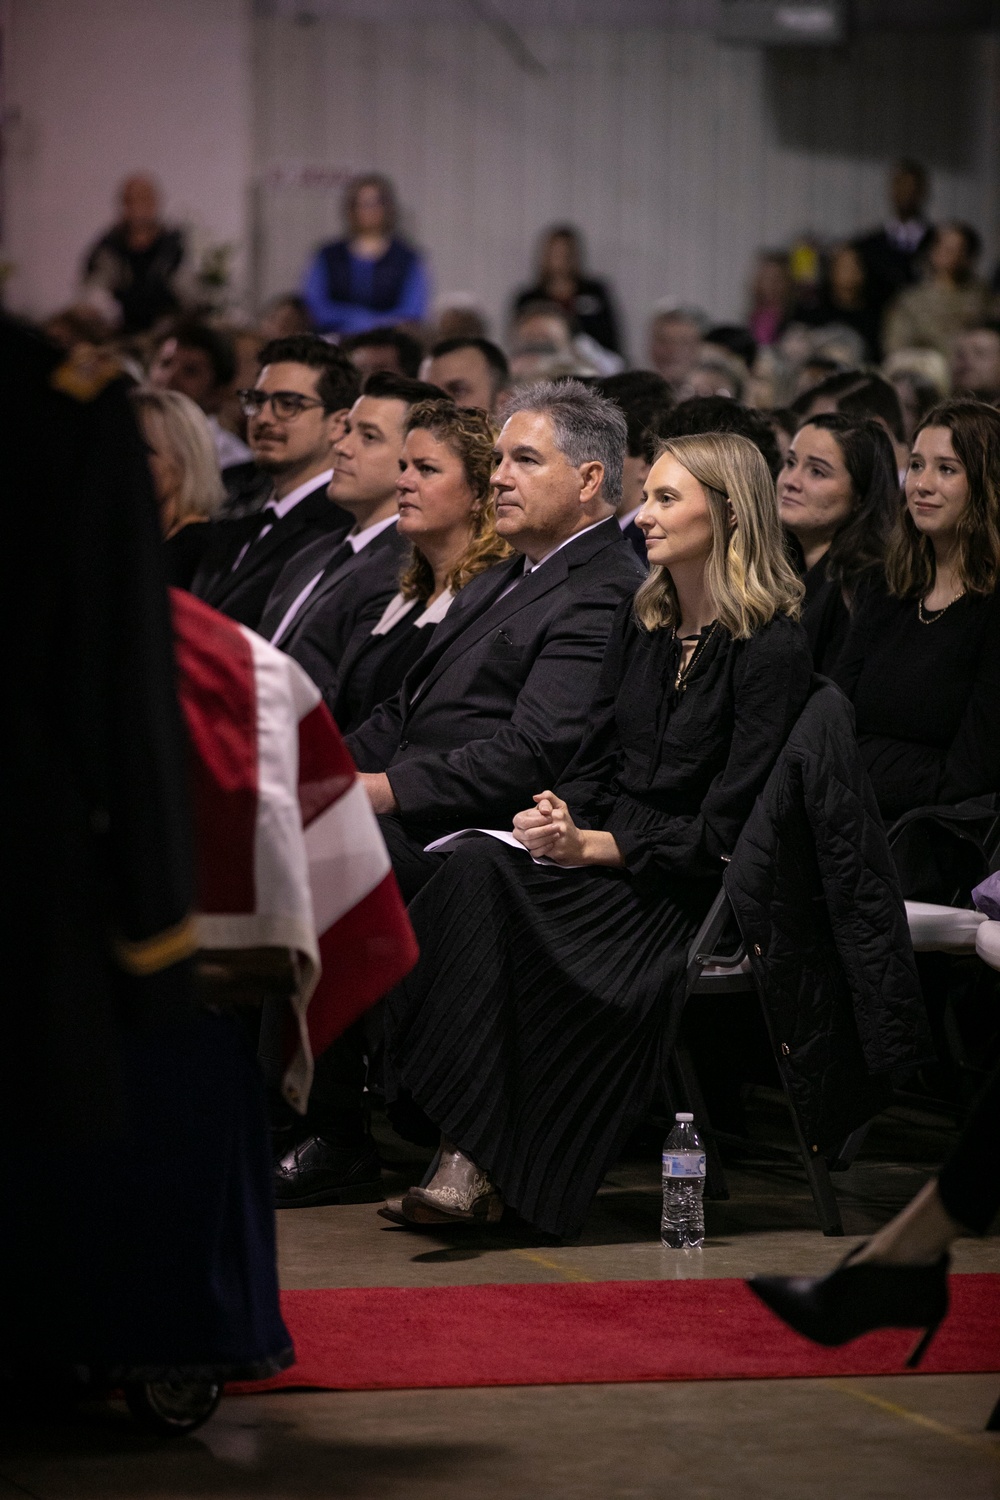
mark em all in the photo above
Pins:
pixel 838 495
pixel 472 371
pixel 949 298
pixel 295 413
pixel 154 1261
pixel 645 398
pixel 371 278
pixel 391 350
pixel 138 260
pixel 562 279
pixel 186 479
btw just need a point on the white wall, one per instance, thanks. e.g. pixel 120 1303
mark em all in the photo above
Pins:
pixel 677 155
pixel 102 88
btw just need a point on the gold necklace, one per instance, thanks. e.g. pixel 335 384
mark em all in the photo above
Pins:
pixel 935 614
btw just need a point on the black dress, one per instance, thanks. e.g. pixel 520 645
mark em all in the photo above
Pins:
pixel 184 552
pixel 530 1031
pixel 825 617
pixel 376 660
pixel 926 697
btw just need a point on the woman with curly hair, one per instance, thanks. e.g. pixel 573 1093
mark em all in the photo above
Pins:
pixel 922 660
pixel 446 509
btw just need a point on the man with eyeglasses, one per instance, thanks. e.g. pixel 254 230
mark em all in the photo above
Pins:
pixel 337 584
pixel 296 411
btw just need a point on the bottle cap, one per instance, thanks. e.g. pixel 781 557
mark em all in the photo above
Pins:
pixel 684 1119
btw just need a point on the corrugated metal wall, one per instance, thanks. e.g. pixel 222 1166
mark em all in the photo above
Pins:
pixel 677 155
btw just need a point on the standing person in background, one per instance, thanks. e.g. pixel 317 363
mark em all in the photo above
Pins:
pixel 771 296
pixel 371 278
pixel 586 301
pixel 949 299
pixel 186 479
pixel 137 261
pixel 891 255
pixel 837 497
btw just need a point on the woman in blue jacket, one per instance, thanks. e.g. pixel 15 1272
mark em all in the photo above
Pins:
pixel 370 279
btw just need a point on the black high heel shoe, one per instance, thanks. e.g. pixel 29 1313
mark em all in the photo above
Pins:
pixel 854 1299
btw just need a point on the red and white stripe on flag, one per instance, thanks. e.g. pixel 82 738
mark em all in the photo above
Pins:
pixel 289 852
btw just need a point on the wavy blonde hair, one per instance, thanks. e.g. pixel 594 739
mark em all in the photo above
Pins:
pixel 471 436
pixel 748 575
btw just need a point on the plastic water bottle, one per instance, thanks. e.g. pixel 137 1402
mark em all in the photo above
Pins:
pixel 683 1224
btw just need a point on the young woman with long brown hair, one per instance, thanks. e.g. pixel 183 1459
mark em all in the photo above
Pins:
pixel 922 661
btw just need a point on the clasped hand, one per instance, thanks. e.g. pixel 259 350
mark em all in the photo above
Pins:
pixel 547 831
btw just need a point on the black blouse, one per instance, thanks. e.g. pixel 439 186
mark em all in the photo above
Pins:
pixel 674 773
pixel 825 618
pixel 926 697
pixel 375 670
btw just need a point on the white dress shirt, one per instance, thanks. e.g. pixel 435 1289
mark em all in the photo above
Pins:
pixel 280 508
pixel 357 541
pixel 530 567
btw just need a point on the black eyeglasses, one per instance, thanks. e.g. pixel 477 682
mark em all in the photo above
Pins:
pixel 286 405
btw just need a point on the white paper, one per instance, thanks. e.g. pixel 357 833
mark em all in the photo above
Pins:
pixel 451 839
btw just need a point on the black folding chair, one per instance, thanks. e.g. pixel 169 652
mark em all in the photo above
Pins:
pixel 713 973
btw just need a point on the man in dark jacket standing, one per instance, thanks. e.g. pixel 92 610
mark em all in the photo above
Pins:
pixel 296 413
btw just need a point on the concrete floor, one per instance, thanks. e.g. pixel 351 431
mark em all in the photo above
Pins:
pixel 860 1439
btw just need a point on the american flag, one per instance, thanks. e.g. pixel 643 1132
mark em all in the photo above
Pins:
pixel 289 853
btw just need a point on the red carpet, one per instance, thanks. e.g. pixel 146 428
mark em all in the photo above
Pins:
pixel 391 1338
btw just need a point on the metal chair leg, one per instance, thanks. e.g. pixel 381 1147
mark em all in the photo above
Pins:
pixel 827 1209
pixel 844 1156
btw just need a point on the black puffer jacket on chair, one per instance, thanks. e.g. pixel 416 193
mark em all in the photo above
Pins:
pixel 815 891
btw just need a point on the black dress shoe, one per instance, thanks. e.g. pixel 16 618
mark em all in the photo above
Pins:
pixel 318 1172
pixel 854 1299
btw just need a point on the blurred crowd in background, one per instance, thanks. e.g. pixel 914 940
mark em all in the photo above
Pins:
pixel 909 298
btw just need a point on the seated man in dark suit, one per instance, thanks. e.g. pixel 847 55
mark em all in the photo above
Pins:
pixel 343 582
pixel 496 706
pixel 492 711
pixel 646 399
pixel 296 412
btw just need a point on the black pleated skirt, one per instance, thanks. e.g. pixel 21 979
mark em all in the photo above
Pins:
pixel 530 1031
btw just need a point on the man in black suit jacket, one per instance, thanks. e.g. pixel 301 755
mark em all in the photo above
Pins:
pixel 646 399
pixel 496 706
pixel 493 710
pixel 296 412
pixel 892 254
pixel 341 583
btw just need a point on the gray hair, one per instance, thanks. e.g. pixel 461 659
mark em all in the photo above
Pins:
pixel 587 427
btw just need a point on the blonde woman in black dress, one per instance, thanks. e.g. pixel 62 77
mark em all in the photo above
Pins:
pixel 530 1031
